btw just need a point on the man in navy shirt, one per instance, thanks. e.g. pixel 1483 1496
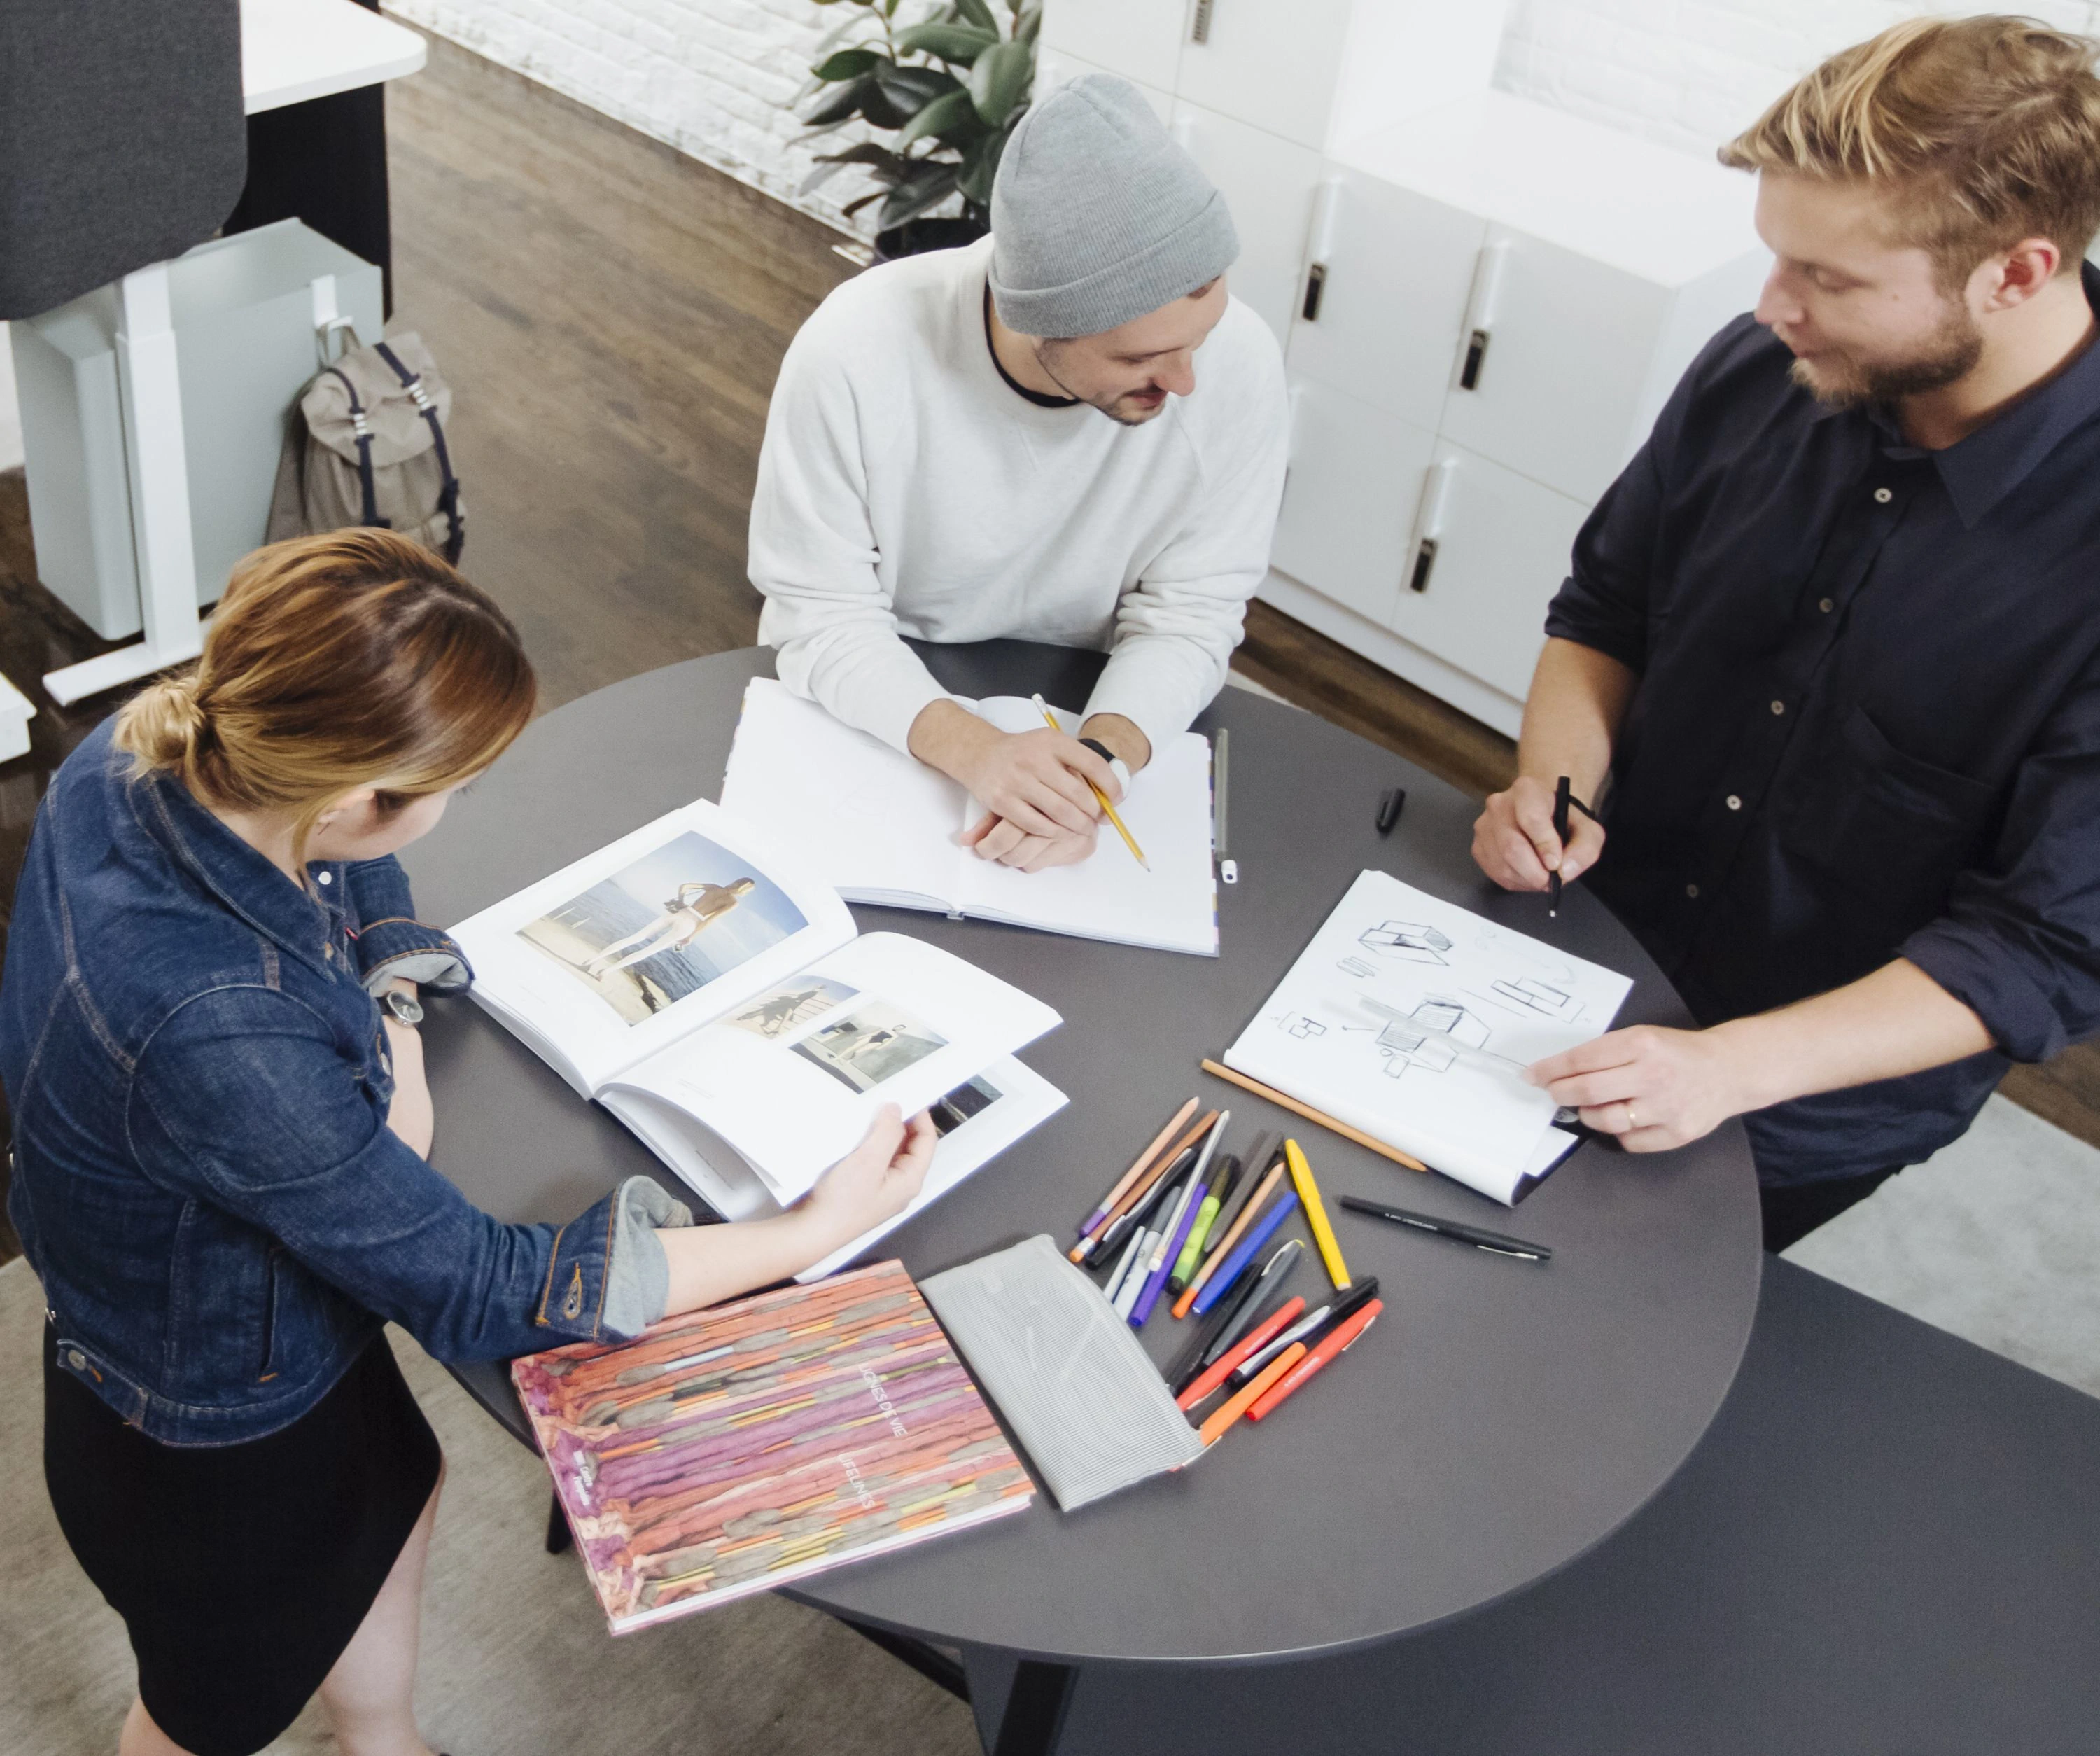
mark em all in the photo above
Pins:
pixel 1828 660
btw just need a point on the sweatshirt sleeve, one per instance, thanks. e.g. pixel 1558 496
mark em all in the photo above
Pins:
pixel 813 553
pixel 1176 628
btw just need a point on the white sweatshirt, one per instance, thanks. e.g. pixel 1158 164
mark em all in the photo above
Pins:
pixel 905 487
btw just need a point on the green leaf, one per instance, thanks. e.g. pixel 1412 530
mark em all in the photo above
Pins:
pixel 843 103
pixel 978 13
pixel 958 44
pixel 847 63
pixel 911 88
pixel 908 200
pixel 854 206
pixel 948 116
pixel 1000 79
pixel 889 168
pixel 1028 22
pixel 980 166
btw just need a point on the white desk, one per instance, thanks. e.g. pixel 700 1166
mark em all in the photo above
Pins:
pixel 290 50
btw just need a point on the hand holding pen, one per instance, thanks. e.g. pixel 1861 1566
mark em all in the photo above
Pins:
pixel 1537 836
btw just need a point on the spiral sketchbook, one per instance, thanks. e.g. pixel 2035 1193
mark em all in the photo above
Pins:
pixel 733 1450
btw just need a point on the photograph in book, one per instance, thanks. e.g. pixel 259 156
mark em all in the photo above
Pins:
pixel 665 925
pixel 875 1042
pixel 780 1010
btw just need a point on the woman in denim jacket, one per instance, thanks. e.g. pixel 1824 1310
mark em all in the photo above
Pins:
pixel 207 1036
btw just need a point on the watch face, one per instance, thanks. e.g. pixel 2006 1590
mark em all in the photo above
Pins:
pixel 407 1011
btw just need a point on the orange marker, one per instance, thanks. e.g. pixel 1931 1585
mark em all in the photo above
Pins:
pixel 1252 1392
pixel 1336 1342
pixel 1245 1348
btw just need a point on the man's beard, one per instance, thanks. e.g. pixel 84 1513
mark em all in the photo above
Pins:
pixel 1949 354
pixel 1110 406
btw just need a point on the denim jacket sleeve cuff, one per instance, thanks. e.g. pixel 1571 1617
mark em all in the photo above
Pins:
pixel 405 950
pixel 606 1276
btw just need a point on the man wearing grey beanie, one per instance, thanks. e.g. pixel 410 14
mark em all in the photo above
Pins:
pixel 1017 440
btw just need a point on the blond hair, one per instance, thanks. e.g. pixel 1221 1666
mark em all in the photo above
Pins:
pixel 1985 131
pixel 350 659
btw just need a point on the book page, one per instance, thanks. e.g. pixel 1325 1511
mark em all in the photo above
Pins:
pixel 791 1079
pixel 1413 1020
pixel 874 823
pixel 1172 908
pixel 601 964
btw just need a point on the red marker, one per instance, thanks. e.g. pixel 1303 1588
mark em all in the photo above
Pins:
pixel 1256 1339
pixel 1337 1341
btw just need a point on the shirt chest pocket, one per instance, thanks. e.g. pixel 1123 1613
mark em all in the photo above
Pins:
pixel 1890 828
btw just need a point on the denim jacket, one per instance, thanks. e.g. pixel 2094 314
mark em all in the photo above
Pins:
pixel 204 1179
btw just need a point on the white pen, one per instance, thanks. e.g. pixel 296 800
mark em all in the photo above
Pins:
pixel 1172 1223
pixel 1129 1256
pixel 1133 1283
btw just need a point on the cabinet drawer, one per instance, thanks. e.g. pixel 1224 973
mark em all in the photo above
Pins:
pixel 1268 184
pixel 1553 358
pixel 1140 39
pixel 1348 505
pixel 1487 549
pixel 1272 64
pixel 1387 276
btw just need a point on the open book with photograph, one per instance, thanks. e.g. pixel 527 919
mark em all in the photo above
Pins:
pixel 1413 1020
pixel 719 1001
pixel 883 828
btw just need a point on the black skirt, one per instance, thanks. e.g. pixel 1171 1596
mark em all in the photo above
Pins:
pixel 241 1571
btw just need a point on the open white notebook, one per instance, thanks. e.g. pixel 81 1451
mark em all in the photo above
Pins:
pixel 716 999
pixel 1412 1020
pixel 882 828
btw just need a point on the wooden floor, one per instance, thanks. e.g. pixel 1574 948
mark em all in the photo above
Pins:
pixel 613 315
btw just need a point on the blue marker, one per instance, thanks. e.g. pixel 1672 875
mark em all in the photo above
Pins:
pixel 1243 1252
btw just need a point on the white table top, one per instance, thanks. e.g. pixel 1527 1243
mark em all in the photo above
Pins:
pixel 294 50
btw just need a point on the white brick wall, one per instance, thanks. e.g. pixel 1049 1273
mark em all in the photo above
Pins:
pixel 1691 72
pixel 714 77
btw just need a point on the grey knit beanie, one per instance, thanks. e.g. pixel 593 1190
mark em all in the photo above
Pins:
pixel 1097 217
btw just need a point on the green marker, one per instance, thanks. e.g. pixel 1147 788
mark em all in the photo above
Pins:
pixel 1192 1251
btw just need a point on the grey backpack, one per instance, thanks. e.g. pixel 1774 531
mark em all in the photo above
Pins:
pixel 367 446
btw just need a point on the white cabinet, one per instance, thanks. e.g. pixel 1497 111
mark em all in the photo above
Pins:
pixel 1349 503
pixel 1140 39
pixel 1268 184
pixel 1274 64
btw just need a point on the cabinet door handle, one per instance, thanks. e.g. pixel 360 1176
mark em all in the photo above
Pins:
pixel 1315 282
pixel 1478 327
pixel 1429 521
pixel 1326 204
pixel 1199 25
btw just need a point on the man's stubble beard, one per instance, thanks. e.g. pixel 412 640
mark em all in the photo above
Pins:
pixel 1108 406
pixel 1949 354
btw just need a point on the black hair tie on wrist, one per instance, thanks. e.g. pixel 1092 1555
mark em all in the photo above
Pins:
pixel 1099 748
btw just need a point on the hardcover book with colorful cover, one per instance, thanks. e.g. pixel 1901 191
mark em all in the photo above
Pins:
pixel 734 1449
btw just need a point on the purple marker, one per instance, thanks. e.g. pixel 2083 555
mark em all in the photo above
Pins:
pixel 1177 1235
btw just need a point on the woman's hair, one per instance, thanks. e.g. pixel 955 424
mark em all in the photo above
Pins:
pixel 350 659
pixel 1986 130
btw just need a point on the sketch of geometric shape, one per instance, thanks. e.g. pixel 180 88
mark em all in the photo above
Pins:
pixel 1416 1047
pixel 1453 1019
pixel 1408 940
pixel 1539 996
pixel 1299 1026
pixel 1355 966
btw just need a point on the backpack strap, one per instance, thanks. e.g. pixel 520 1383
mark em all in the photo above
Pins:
pixel 366 487
pixel 448 493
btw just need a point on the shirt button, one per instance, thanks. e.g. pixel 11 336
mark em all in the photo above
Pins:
pixel 1691 890
pixel 76 1359
pixel 1779 707
pixel 1882 497
pixel 1734 802
pixel 327 877
pixel 1828 605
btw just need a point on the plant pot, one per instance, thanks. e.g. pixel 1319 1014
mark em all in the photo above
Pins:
pixel 916 237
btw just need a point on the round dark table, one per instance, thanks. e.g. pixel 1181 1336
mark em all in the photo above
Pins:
pixel 1498 1421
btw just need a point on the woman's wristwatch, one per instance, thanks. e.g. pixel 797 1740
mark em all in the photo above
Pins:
pixel 405 1007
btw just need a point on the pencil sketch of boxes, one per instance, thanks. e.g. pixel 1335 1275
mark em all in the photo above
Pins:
pixel 1538 996
pixel 1431 1037
pixel 1408 940
pixel 1298 1024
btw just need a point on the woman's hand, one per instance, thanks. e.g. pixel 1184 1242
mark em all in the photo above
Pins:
pixel 874 1181
pixel 411 1114
pixel 1653 1086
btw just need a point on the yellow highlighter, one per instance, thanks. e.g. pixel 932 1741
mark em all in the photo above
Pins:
pixel 1136 852
pixel 1315 1214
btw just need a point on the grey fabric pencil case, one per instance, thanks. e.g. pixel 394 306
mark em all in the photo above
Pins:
pixel 1090 1409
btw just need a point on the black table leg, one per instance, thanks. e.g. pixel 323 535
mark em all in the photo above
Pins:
pixel 558 1539
pixel 1036 1708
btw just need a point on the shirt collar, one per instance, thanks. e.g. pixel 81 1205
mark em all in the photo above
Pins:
pixel 1980 470
pixel 238 875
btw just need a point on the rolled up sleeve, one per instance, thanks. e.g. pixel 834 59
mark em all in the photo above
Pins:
pixel 244 1098
pixel 391 943
pixel 2020 944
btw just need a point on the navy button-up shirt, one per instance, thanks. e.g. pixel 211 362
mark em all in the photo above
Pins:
pixel 1868 723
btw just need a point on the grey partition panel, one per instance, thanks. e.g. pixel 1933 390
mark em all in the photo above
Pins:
pixel 121 139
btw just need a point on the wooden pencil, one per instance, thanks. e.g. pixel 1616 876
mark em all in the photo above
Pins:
pixel 1143 1186
pixel 1143 1159
pixel 1311 1114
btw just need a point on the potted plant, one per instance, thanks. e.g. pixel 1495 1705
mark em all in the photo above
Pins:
pixel 950 87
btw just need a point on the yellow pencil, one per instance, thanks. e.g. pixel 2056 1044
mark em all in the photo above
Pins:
pixel 1136 852
pixel 1315 1214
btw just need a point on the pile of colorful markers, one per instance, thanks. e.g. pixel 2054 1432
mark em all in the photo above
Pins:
pixel 1191 1222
